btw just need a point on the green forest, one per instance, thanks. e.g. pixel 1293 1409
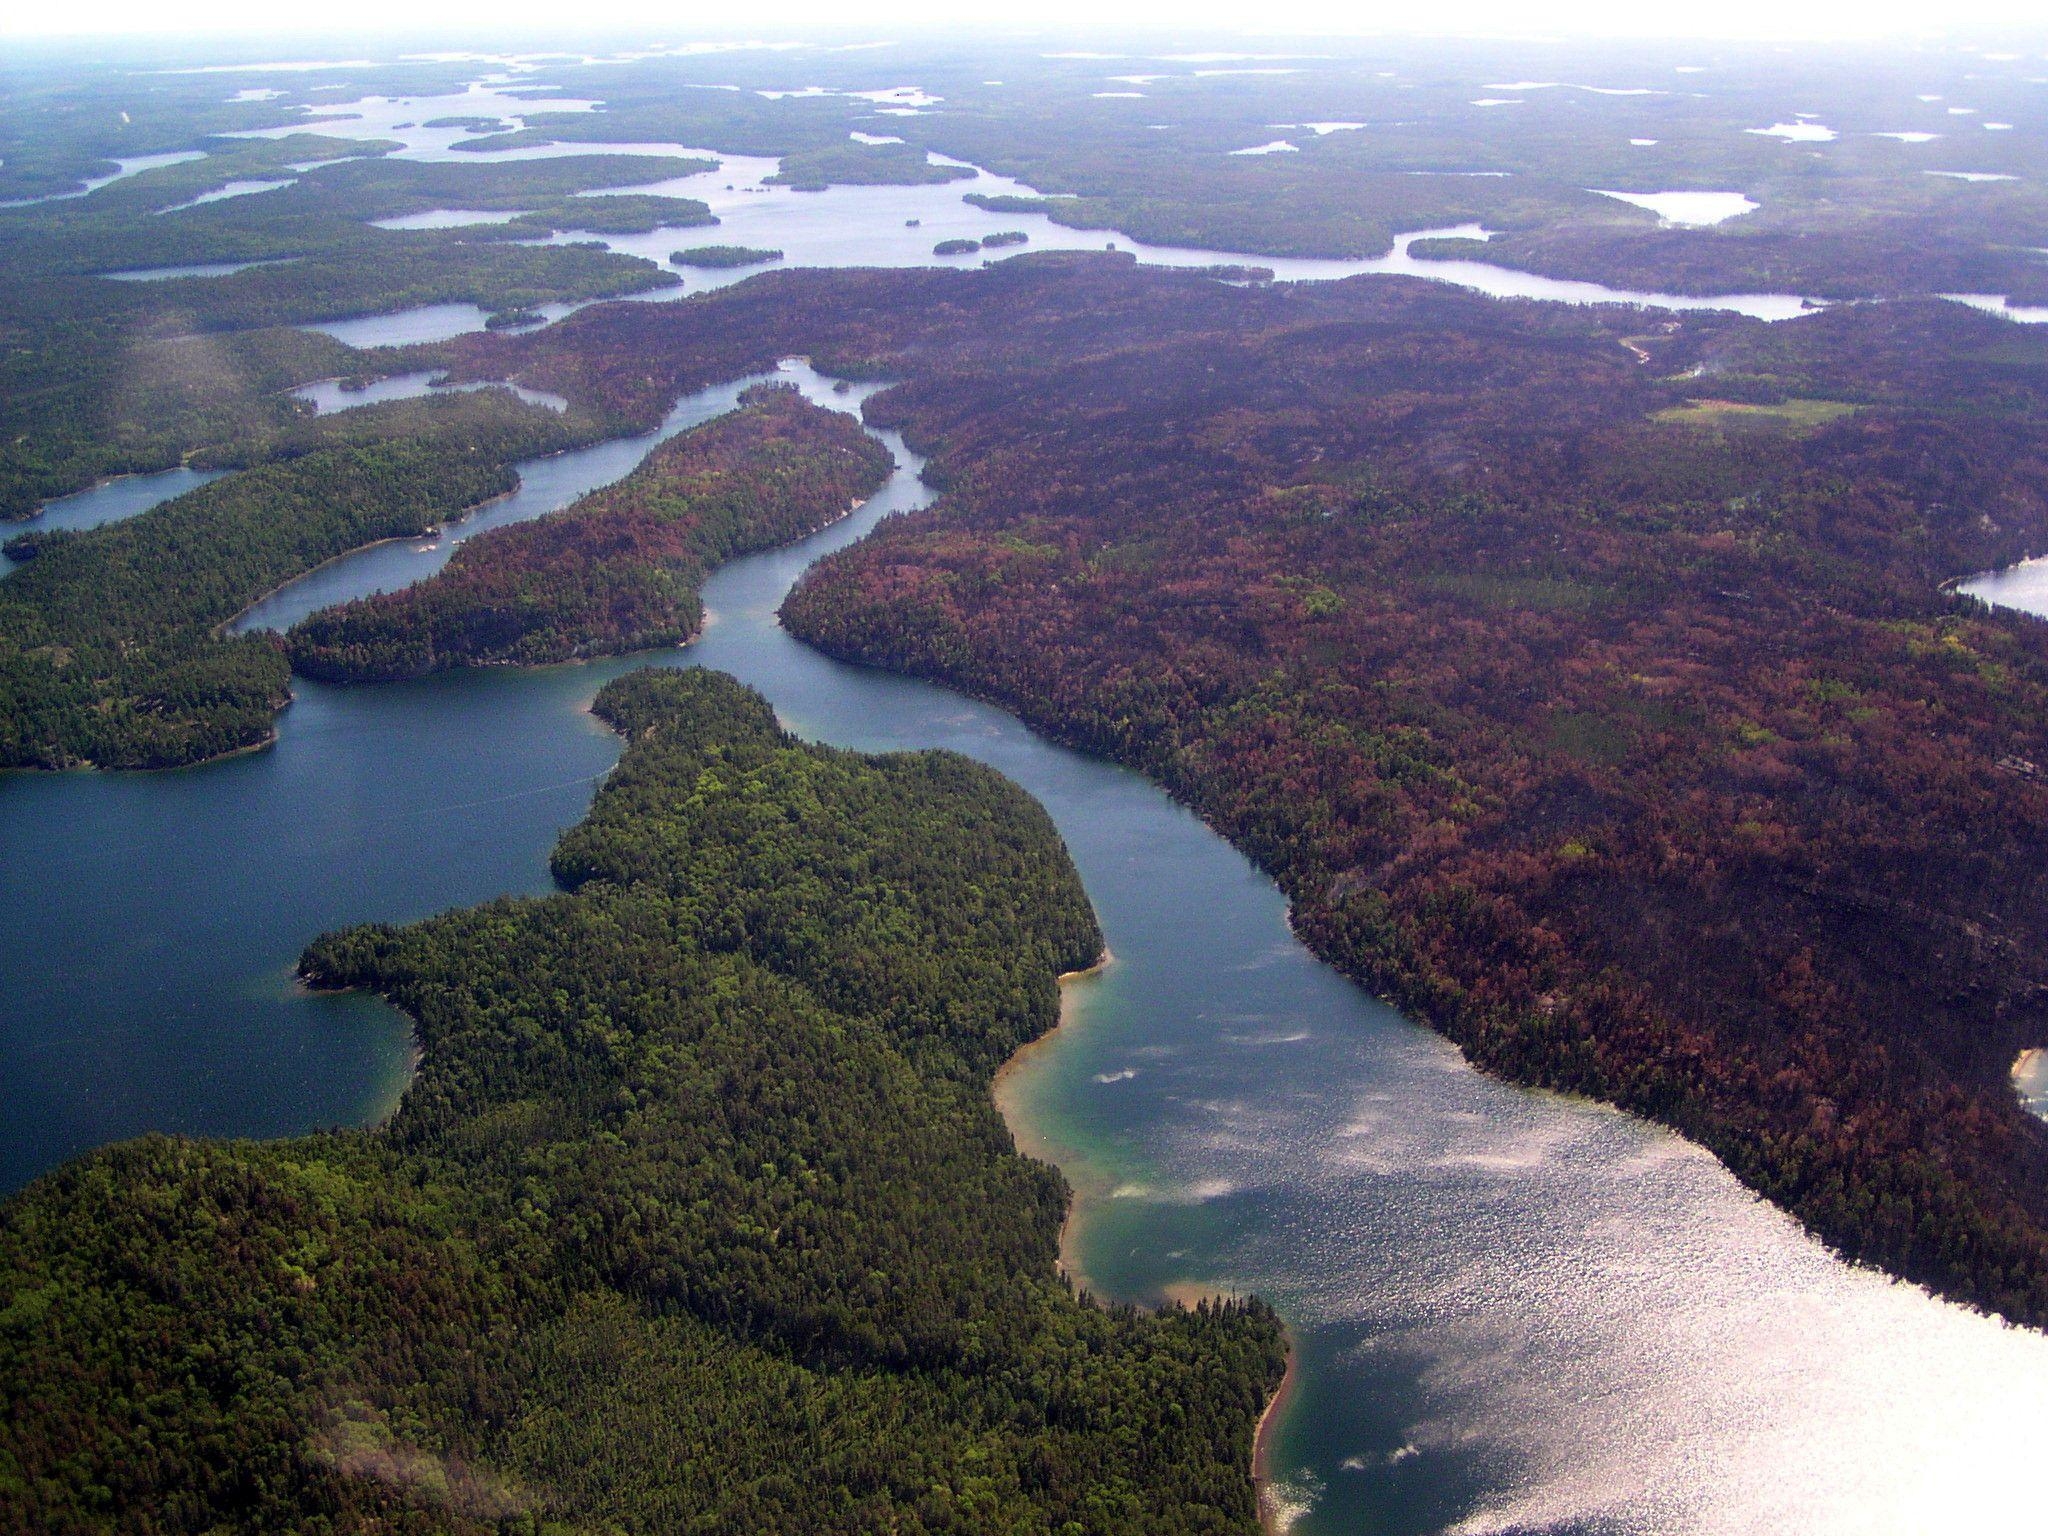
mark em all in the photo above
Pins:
pixel 111 645
pixel 698 1215
pixel 620 569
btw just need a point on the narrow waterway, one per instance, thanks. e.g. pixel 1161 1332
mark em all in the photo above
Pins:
pixel 108 502
pixel 1512 1311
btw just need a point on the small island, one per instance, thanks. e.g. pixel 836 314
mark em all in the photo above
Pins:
pixel 723 256
pixel 1011 202
pixel 967 247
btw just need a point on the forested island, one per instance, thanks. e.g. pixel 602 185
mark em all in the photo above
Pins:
pixel 618 571
pixel 720 256
pixel 697 1215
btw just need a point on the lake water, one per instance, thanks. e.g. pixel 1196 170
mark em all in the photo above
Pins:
pixel 328 395
pixel 874 226
pixel 447 218
pixel 222 194
pixel 108 502
pixel 2004 308
pixel 1691 209
pixel 407 327
pixel 1513 1311
pixel 202 269
pixel 2023 587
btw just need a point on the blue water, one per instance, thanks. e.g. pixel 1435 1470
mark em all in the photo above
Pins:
pixel 108 502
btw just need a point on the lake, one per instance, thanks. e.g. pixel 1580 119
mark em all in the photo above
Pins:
pixel 1512 1310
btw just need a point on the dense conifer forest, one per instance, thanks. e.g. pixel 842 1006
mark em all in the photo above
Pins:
pixel 698 1215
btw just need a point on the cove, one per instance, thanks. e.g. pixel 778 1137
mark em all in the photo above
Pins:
pixel 2022 587
pixel 108 502
pixel 1510 1310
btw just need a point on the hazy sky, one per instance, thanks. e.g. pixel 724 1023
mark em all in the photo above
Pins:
pixel 1764 19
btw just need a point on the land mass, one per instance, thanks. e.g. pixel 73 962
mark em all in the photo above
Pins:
pixel 697 1216
pixel 619 570
pixel 1587 678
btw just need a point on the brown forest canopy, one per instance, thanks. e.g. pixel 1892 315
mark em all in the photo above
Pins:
pixel 1584 674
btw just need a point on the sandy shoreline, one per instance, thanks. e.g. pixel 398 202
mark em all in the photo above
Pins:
pixel 1262 1439
pixel 1022 1131
pixel 1032 1143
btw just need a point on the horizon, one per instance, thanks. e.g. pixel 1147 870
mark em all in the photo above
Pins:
pixel 1743 22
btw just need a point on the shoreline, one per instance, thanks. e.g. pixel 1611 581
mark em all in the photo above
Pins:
pixel 222 630
pixel 1030 1142
pixel 1262 1438
pixel 1024 1134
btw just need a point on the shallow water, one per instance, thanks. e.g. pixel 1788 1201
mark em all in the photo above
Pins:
pixel 1512 1311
